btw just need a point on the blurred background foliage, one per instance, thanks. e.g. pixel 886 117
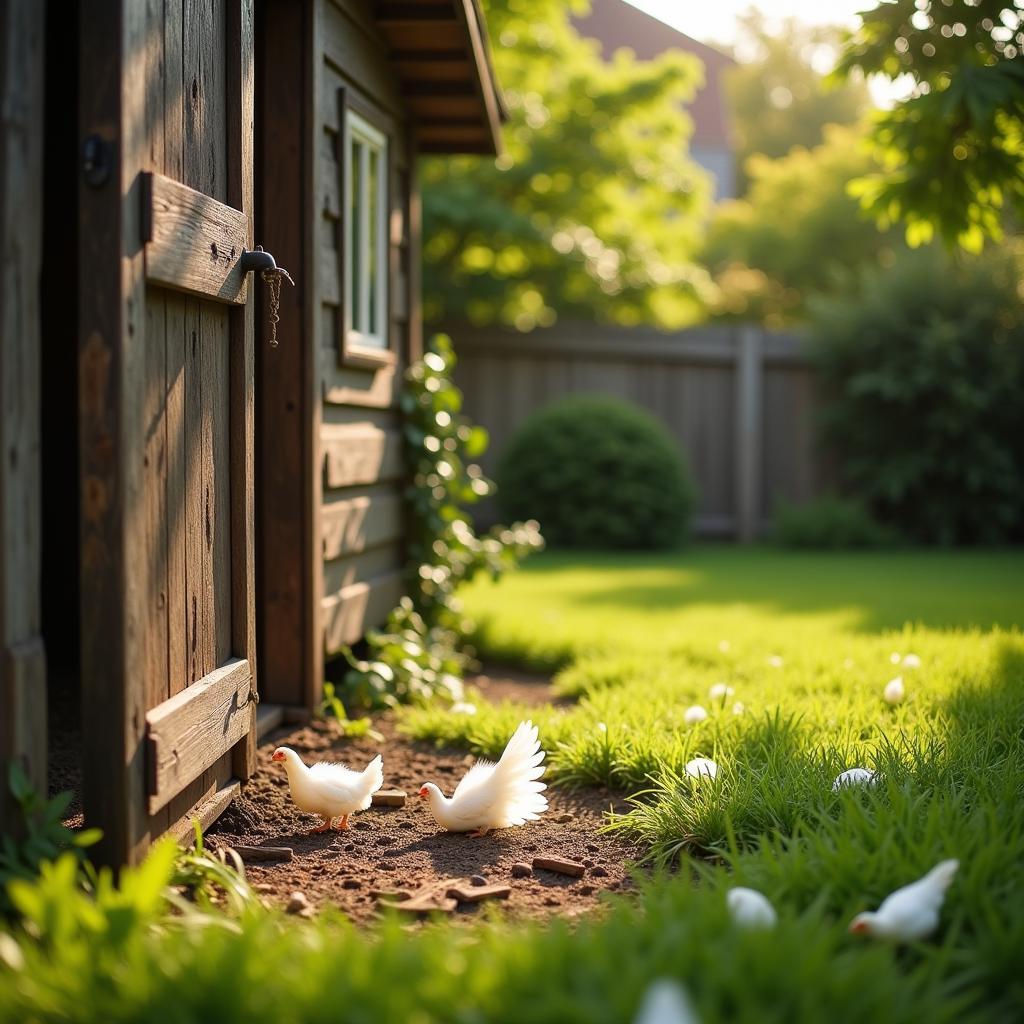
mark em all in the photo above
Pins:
pixel 952 154
pixel 796 233
pixel 594 211
pixel 778 92
pixel 922 369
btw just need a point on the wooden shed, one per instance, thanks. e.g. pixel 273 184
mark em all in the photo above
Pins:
pixel 191 516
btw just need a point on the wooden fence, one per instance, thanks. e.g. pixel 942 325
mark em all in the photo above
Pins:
pixel 740 402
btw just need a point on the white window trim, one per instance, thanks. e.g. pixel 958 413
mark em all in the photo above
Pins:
pixel 360 130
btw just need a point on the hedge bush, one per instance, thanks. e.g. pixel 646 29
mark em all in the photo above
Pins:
pixel 830 522
pixel 923 365
pixel 597 472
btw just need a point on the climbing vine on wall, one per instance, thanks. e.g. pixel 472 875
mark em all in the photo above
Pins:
pixel 423 651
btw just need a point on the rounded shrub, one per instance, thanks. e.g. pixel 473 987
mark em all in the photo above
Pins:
pixel 597 472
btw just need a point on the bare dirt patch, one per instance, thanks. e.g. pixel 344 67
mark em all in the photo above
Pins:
pixel 390 849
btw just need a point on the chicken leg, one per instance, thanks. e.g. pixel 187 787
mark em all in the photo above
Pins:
pixel 323 828
pixel 344 822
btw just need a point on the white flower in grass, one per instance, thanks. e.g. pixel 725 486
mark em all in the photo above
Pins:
pixel 895 657
pixel 750 909
pixel 666 1002
pixel 739 707
pixel 701 767
pixel 720 691
pixel 601 727
pixel 775 661
pixel 694 714
pixel 854 777
pixel 911 661
pixel 723 646
pixel 894 692
pixel 463 708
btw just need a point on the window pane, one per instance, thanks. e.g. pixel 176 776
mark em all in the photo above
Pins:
pixel 373 256
pixel 354 270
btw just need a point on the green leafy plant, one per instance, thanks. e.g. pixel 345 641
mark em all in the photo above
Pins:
pixel 952 153
pixel 830 522
pixel 203 876
pixel 44 836
pixel 597 472
pixel 422 650
pixel 923 368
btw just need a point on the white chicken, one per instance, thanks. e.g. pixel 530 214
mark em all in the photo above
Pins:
pixel 750 908
pixel 912 912
pixel 330 790
pixel 495 795
pixel 854 777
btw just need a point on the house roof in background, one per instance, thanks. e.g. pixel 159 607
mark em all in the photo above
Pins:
pixel 442 55
pixel 616 24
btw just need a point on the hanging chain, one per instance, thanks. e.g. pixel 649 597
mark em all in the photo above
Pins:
pixel 272 279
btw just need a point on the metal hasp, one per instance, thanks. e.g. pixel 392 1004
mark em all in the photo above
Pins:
pixel 258 259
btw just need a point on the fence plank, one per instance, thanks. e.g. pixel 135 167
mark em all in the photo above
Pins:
pixel 749 392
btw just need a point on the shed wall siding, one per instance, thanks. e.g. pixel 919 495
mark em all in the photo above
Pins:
pixel 362 521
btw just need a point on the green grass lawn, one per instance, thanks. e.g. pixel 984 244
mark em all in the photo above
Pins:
pixel 805 642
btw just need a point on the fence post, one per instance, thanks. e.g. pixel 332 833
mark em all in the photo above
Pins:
pixel 749 391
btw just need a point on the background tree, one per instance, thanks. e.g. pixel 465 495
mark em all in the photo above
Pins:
pixel 595 211
pixel 953 153
pixel 780 98
pixel 796 234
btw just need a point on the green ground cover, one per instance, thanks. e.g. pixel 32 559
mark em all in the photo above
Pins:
pixel 807 646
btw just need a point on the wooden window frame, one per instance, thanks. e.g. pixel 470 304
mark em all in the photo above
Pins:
pixel 355 351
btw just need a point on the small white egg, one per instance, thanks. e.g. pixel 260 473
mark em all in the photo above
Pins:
pixel 894 692
pixel 665 1002
pixel 694 714
pixel 750 908
pixel 701 767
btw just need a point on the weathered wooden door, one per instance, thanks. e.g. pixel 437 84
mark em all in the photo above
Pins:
pixel 166 412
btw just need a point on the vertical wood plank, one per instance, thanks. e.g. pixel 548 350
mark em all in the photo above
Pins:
pixel 194 506
pixel 178 660
pixel 22 665
pixel 203 80
pixel 153 569
pixel 174 90
pixel 749 392
pixel 209 339
pixel 282 580
pixel 154 499
pixel 105 788
pixel 239 123
pixel 216 364
pixel 314 71
pixel 138 37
